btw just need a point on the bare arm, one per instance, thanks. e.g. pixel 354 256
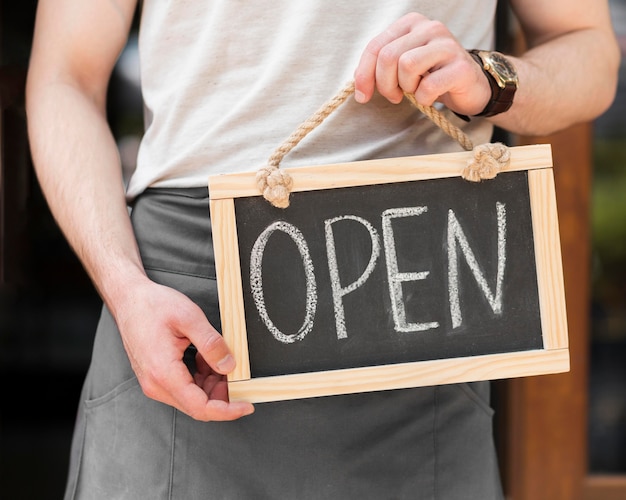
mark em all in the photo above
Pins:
pixel 75 48
pixel 568 75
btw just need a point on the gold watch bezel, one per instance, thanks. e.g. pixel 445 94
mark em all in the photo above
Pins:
pixel 499 67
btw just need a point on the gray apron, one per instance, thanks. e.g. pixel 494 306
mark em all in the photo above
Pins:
pixel 426 443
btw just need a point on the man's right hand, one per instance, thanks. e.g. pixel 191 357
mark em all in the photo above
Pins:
pixel 157 325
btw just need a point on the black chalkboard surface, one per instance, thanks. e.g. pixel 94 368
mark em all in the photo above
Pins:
pixel 401 274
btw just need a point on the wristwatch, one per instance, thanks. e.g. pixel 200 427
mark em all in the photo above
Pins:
pixel 502 78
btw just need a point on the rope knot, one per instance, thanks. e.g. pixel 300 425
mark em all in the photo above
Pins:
pixel 275 184
pixel 488 161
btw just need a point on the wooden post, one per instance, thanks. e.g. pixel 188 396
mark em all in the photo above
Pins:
pixel 545 434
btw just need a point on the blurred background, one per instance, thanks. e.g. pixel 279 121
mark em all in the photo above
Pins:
pixel 607 426
pixel 48 306
pixel 49 309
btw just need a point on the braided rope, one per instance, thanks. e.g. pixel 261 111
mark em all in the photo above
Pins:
pixel 310 124
pixel 276 184
pixel 443 123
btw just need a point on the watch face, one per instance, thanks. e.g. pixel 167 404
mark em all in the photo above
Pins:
pixel 501 68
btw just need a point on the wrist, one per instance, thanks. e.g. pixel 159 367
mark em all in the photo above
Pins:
pixel 502 78
pixel 119 285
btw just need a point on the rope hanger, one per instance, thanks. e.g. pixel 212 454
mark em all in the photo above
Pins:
pixel 275 184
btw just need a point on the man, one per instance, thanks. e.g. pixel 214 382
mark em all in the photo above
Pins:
pixel 224 83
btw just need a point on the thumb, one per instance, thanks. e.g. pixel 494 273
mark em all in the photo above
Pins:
pixel 207 340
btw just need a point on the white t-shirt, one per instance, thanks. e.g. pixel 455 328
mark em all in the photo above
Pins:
pixel 225 82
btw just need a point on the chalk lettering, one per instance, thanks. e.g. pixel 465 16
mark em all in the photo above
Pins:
pixel 396 278
pixel 337 290
pixel 456 237
pixel 256 280
pixel 456 240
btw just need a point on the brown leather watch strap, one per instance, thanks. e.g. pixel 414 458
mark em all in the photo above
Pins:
pixel 501 98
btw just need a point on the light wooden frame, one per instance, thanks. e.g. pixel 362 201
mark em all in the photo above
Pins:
pixel 553 358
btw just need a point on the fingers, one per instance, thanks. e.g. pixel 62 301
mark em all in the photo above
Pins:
pixel 399 69
pixel 203 397
pixel 209 401
pixel 367 69
pixel 401 58
pixel 156 333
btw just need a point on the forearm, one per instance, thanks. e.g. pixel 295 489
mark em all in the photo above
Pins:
pixel 557 90
pixel 78 166
pixel 568 75
pixel 75 48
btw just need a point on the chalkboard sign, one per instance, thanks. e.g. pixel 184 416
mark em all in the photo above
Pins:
pixel 390 273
